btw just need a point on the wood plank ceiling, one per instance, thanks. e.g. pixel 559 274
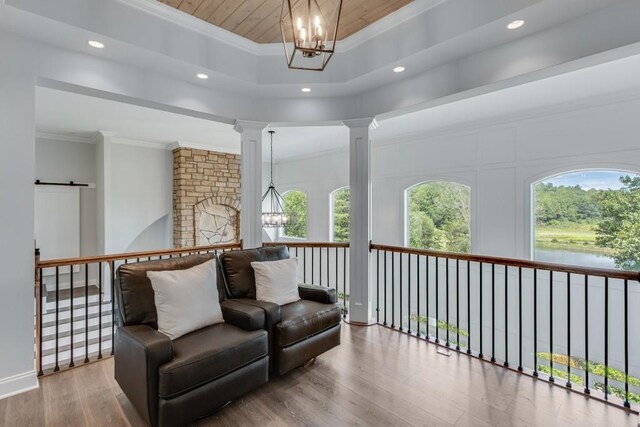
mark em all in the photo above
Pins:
pixel 259 20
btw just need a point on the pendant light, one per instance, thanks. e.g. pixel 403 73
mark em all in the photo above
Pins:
pixel 276 216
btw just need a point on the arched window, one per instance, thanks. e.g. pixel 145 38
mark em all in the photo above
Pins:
pixel 588 218
pixel 295 204
pixel 439 216
pixel 340 215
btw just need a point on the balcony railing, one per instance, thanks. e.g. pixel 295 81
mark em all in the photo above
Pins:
pixel 575 326
pixel 75 310
pixel 324 264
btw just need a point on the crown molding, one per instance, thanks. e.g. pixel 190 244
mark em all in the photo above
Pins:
pixel 176 16
pixel 199 146
pixel 65 137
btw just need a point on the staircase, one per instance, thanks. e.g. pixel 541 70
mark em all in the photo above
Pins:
pixel 84 328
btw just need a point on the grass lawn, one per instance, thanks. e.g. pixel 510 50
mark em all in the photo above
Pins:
pixel 579 237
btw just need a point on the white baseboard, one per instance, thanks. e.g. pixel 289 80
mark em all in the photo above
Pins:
pixel 17 384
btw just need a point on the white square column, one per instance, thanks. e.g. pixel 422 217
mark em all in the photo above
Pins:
pixel 250 181
pixel 359 218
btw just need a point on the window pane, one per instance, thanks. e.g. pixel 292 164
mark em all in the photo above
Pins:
pixel 340 201
pixel 439 215
pixel 295 204
pixel 589 218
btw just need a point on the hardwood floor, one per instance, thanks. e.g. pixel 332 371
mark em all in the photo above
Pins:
pixel 376 377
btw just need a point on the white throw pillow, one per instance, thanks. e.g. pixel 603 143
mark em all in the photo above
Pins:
pixel 277 281
pixel 186 300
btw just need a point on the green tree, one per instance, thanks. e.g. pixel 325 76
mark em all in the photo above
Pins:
pixel 619 228
pixel 439 216
pixel 341 215
pixel 295 204
pixel 562 204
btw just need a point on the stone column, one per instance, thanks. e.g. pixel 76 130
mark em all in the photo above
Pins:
pixel 251 181
pixel 360 218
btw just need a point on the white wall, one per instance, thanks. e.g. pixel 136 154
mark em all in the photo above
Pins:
pixel 499 160
pixel 64 161
pixel 317 176
pixel 141 194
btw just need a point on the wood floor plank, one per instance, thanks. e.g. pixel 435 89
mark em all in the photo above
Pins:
pixel 376 377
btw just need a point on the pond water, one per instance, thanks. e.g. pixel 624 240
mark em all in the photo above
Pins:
pixel 574 258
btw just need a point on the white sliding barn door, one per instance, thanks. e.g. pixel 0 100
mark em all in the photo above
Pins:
pixel 57 224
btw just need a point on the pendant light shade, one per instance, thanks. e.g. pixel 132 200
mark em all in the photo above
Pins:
pixel 275 217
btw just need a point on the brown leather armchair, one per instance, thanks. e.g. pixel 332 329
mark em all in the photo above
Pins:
pixel 175 382
pixel 298 332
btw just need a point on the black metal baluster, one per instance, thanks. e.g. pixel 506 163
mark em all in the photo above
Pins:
pixel 437 311
pixel 377 284
pixel 446 299
pixel 493 312
pixel 320 266
pixel 86 313
pixel 41 316
pixel 71 364
pixel 481 299
pixel 535 322
pixel 393 289
pixel 385 288
pixel 113 304
pixel 551 379
pixel 409 291
pixel 328 270
pixel 506 315
pixel 337 263
pixel 57 368
pixel 99 310
pixel 344 282
pixel 401 286
pixel 468 307
pixel 586 334
pixel 520 319
pixel 418 295
pixel 304 264
pixel 606 338
pixel 457 304
pixel 426 275
pixel 313 258
pixel 568 384
pixel 626 344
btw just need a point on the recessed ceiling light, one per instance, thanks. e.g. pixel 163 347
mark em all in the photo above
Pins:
pixel 515 24
pixel 202 76
pixel 96 44
pixel 398 69
pixel 306 89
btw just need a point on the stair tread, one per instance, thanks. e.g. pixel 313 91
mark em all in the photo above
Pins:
pixel 65 294
pixel 77 346
pixel 78 307
pixel 80 331
pixel 105 315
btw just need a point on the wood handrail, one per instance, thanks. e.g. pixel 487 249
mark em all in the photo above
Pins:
pixel 514 262
pixel 308 244
pixel 61 262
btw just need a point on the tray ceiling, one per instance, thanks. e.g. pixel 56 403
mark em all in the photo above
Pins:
pixel 259 20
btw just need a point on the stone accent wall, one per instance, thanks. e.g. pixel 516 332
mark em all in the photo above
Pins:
pixel 199 175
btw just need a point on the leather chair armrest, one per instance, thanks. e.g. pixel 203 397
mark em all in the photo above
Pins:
pixel 244 316
pixel 140 351
pixel 317 293
pixel 273 314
